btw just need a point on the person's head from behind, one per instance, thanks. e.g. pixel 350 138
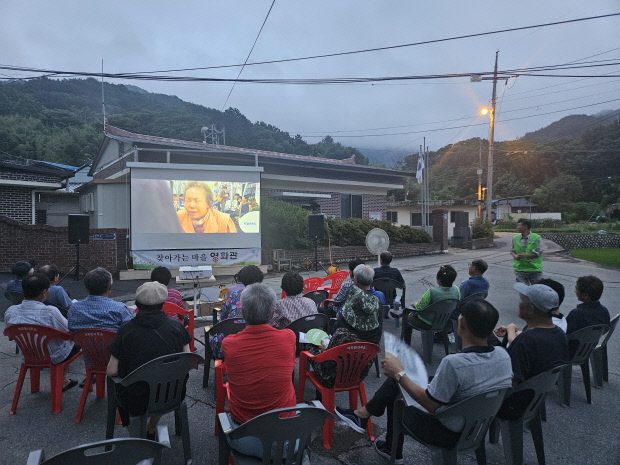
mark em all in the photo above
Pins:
pixel 523 225
pixel 353 264
pixel 363 276
pixel 249 275
pixel 36 287
pixel 446 276
pixel 478 318
pixel 258 302
pixel 22 269
pixel 386 258
pixel 292 283
pixel 198 198
pixel 51 271
pixel 589 289
pixel 477 267
pixel 162 275
pixel 556 286
pixel 98 282
pixel 150 296
pixel 537 302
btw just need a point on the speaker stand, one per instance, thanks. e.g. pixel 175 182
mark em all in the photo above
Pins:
pixel 316 257
pixel 76 269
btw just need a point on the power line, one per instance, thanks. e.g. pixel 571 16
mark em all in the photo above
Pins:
pixel 248 57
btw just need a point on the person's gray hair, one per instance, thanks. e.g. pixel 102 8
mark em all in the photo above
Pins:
pixel 97 281
pixel 364 274
pixel 257 304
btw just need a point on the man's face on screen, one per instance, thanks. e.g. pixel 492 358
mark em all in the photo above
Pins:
pixel 196 203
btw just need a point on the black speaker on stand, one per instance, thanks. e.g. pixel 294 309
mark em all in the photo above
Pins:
pixel 316 231
pixel 79 226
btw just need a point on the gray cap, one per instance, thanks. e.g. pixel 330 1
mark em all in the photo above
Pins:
pixel 542 297
pixel 152 293
pixel 21 269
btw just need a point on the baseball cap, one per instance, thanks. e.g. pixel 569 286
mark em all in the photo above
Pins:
pixel 542 297
pixel 21 268
pixel 152 293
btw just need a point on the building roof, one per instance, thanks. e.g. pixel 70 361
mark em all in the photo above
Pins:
pixel 516 202
pixel 122 135
pixel 37 167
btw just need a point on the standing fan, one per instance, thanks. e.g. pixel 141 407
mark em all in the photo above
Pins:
pixel 377 241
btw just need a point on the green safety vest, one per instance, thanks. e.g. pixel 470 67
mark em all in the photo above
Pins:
pixel 531 264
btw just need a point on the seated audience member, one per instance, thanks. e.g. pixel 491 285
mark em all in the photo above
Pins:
pixel 417 316
pixel 33 311
pixel 478 368
pixel 259 363
pixel 476 282
pixel 556 316
pixel 542 345
pixel 341 295
pixel 151 334
pixel 590 311
pixel 58 296
pixel 20 270
pixel 162 275
pixel 294 305
pixel 387 271
pixel 232 302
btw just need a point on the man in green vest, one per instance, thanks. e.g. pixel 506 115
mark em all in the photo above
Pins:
pixel 527 254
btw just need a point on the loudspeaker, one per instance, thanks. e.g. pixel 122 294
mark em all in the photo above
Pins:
pixel 316 226
pixel 78 229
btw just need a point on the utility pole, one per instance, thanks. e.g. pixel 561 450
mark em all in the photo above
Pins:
pixel 422 195
pixel 489 193
pixel 479 172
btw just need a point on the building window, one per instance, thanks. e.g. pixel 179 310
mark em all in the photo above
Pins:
pixel 392 216
pixel 350 206
pixel 416 219
pixel 453 217
pixel 40 217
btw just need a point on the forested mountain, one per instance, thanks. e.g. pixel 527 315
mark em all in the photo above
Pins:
pixel 61 121
pixel 569 126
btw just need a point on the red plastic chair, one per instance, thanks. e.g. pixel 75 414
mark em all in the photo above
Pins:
pixel 310 284
pixel 221 390
pixel 351 359
pixel 32 341
pixel 94 344
pixel 172 309
pixel 336 281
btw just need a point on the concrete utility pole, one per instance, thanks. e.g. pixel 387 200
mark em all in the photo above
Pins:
pixel 479 172
pixel 489 192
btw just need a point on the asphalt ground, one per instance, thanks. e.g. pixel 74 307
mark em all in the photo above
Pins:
pixel 579 434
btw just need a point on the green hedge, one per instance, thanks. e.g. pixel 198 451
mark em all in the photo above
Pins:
pixel 285 226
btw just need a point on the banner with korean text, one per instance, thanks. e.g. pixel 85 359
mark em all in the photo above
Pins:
pixel 146 259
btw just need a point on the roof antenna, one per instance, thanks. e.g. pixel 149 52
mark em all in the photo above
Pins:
pixel 103 98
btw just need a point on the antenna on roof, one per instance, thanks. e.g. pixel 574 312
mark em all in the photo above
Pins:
pixel 103 97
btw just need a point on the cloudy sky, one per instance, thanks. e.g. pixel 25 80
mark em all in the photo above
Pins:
pixel 133 36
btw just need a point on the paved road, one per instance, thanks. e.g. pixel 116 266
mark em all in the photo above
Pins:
pixel 581 434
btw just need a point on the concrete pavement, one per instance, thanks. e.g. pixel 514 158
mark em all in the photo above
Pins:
pixel 580 434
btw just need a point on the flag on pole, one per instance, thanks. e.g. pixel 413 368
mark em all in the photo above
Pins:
pixel 418 173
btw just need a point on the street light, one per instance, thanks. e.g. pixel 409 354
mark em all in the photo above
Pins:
pixel 484 111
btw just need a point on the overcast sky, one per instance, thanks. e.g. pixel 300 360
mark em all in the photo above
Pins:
pixel 135 36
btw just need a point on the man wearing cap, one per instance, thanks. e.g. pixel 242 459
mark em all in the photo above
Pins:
pixel 542 345
pixel 20 270
pixel 151 334
pixel 526 253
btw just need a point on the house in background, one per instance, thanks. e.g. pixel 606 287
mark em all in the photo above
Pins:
pixel 513 208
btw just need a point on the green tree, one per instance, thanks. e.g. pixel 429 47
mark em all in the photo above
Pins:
pixel 558 193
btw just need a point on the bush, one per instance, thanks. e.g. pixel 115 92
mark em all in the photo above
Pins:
pixel 547 223
pixel 481 229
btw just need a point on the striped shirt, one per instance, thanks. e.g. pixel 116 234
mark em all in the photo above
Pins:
pixel 98 312
pixel 291 308
pixel 37 313
pixel 175 298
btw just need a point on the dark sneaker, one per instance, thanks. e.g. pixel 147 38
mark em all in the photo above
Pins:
pixel 383 449
pixel 396 313
pixel 350 418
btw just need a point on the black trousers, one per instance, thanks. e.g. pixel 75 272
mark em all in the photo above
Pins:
pixel 426 427
pixel 410 321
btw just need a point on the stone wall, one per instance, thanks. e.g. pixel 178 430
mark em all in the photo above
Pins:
pixel 374 203
pixel 584 241
pixel 47 244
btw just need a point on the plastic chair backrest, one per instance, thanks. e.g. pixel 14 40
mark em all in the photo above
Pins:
pixel 94 344
pixel 442 309
pixel 588 339
pixel 121 451
pixel 276 430
pixel 169 308
pixel 472 297
pixel 32 341
pixel 311 284
pixel 540 385
pixel 15 298
pixel 317 296
pixel 165 376
pixel 477 412
pixel 226 327
pixel 612 327
pixel 351 359
pixel 308 322
pixel 336 279
pixel 388 286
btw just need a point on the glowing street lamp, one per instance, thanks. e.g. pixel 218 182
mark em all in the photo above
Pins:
pixel 484 111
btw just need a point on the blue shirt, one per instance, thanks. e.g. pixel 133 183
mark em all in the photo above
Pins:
pixel 377 294
pixel 58 296
pixel 97 312
pixel 474 285
pixel 15 285
pixel 385 271
pixel 587 314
